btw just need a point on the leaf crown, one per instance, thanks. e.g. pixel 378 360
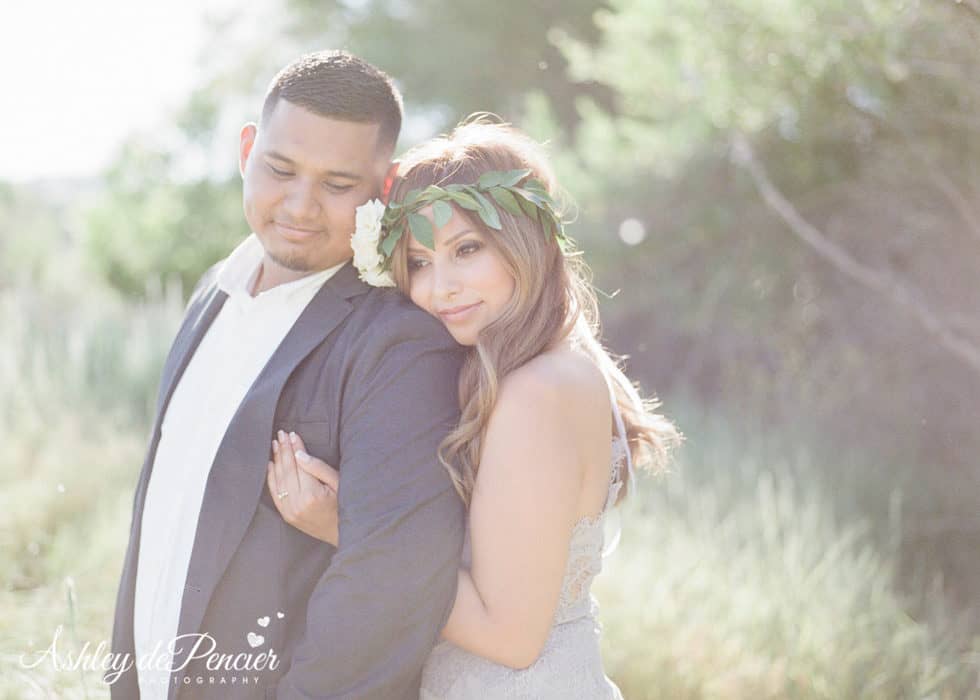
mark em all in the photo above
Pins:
pixel 514 190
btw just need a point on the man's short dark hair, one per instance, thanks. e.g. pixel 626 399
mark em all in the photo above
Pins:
pixel 337 85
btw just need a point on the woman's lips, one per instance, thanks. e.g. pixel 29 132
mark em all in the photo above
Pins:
pixel 458 313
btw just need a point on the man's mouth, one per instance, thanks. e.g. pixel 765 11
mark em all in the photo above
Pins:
pixel 293 233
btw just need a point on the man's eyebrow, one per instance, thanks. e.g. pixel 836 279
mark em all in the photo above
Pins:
pixel 327 173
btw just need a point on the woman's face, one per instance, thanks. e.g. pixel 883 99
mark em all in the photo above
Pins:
pixel 463 282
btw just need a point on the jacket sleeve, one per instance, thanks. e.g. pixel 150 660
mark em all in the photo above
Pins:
pixel 377 611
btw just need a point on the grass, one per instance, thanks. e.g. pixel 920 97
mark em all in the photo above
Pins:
pixel 738 576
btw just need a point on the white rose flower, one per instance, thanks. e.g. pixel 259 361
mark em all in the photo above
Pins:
pixel 367 232
pixel 378 278
pixel 368 218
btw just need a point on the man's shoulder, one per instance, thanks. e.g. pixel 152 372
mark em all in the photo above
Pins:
pixel 386 313
pixel 386 317
pixel 205 281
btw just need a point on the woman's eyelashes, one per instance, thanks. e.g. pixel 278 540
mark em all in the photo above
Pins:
pixel 463 250
pixel 467 248
pixel 416 264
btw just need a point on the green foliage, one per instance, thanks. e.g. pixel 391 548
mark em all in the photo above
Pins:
pixel 864 115
pixel 745 581
pixel 79 377
pixel 734 581
pixel 467 56
pixel 149 225
pixel 32 234
pixel 512 189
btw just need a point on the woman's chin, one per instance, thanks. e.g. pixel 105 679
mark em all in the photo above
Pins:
pixel 463 337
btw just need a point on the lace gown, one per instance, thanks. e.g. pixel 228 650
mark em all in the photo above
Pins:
pixel 569 666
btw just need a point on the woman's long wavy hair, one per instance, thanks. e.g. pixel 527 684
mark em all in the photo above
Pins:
pixel 553 299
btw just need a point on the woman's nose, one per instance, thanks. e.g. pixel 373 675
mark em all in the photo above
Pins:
pixel 446 283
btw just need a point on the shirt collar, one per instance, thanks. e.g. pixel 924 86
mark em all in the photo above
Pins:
pixel 242 266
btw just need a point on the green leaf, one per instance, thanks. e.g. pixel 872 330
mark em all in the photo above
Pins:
pixel 530 196
pixel 411 198
pixel 529 207
pixel 464 200
pixel 489 179
pixel 441 212
pixel 506 200
pixel 512 177
pixel 432 192
pixel 535 185
pixel 501 178
pixel 422 230
pixel 389 242
pixel 530 202
pixel 487 211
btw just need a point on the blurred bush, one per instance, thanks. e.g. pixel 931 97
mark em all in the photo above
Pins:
pixel 850 411
pixel 863 116
pixel 737 577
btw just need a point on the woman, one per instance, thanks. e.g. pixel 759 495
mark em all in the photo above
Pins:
pixel 550 426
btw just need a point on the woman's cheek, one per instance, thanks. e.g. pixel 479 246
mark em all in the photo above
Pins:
pixel 417 293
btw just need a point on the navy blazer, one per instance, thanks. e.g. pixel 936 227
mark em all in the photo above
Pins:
pixel 369 381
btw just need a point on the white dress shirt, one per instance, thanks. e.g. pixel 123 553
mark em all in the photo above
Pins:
pixel 229 358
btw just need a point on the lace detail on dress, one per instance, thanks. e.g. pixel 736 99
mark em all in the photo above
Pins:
pixel 570 665
pixel 585 548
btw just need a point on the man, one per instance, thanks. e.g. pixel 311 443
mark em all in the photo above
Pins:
pixel 282 335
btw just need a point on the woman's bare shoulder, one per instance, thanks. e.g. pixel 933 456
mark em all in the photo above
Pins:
pixel 563 379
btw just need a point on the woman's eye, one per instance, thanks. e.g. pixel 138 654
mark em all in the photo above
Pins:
pixel 279 173
pixel 338 188
pixel 467 249
pixel 416 264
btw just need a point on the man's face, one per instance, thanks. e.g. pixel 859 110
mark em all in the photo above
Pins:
pixel 303 177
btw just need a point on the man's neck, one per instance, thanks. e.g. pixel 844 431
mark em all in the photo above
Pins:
pixel 272 275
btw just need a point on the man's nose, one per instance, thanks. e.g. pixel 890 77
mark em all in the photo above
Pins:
pixel 302 202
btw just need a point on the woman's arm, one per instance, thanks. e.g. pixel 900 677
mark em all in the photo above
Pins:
pixel 521 516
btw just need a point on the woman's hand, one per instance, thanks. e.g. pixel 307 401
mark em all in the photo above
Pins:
pixel 304 488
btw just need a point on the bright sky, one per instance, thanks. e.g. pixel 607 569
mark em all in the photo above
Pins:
pixel 78 77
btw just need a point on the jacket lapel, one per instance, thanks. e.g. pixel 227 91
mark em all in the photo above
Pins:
pixel 196 323
pixel 237 476
pixel 197 320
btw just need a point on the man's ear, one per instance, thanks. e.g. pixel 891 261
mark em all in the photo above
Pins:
pixel 246 141
pixel 389 181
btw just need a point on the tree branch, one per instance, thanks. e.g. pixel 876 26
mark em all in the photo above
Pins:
pixel 879 282
pixel 971 6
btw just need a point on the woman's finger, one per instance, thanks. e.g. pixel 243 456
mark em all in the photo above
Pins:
pixel 282 493
pixel 279 476
pixel 309 482
pixel 289 476
pixel 270 479
pixel 297 441
pixel 319 469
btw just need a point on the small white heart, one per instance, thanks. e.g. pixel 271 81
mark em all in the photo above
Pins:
pixel 255 640
pixel 280 615
pixel 263 621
